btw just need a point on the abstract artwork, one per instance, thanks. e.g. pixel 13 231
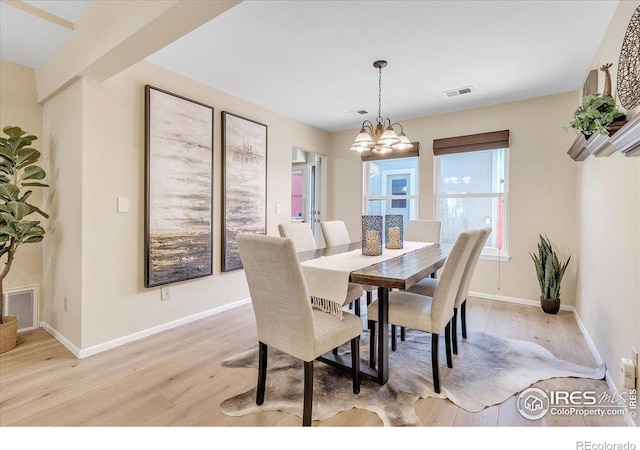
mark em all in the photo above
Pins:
pixel 179 152
pixel 244 161
pixel 629 64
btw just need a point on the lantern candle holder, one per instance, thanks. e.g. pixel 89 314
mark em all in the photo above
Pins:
pixel 372 235
pixel 393 231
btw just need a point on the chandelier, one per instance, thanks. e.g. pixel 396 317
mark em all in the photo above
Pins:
pixel 382 139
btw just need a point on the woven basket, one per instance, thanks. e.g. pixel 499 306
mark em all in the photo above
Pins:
pixel 8 333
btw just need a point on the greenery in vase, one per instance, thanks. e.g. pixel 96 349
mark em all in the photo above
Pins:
pixel 595 115
pixel 549 269
pixel 18 174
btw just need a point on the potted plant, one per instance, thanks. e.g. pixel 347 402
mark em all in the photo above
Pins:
pixel 18 174
pixel 595 115
pixel 550 272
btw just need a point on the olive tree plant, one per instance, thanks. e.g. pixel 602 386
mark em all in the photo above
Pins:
pixel 18 175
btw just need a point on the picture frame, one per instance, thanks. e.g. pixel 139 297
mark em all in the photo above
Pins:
pixel 179 147
pixel 590 85
pixel 244 186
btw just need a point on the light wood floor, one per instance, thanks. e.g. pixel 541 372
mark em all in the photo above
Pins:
pixel 175 378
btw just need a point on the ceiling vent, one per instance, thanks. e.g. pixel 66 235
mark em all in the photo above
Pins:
pixel 459 91
pixel 358 112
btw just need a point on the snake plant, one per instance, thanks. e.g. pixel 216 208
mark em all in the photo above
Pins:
pixel 549 269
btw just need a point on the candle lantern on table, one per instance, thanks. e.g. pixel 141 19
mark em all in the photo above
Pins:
pixel 393 231
pixel 372 235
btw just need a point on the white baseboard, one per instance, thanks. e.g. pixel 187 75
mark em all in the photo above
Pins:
pixel 89 351
pixel 60 338
pixel 521 301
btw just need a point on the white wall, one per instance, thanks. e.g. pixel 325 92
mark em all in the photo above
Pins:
pixel 542 196
pixel 608 224
pixel 63 264
pixel 114 301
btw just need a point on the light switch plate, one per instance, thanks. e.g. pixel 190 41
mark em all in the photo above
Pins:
pixel 123 204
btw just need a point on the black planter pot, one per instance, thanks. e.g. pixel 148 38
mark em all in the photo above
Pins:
pixel 550 305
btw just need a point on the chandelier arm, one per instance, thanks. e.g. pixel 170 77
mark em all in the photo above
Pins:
pixel 400 125
pixel 368 125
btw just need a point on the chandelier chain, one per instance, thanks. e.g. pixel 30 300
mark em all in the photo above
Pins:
pixel 379 119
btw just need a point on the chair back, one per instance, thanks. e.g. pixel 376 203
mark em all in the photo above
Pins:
pixel 335 233
pixel 278 293
pixel 445 294
pixel 300 233
pixel 423 231
pixel 463 292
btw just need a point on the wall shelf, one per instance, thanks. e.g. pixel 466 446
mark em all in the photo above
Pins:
pixel 624 136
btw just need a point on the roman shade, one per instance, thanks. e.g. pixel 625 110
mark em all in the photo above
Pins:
pixel 368 155
pixel 471 143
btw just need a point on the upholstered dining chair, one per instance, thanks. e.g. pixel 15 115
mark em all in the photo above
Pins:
pixel 302 236
pixel 419 230
pixel 284 316
pixel 427 287
pixel 300 233
pixel 431 314
pixel 335 233
pixel 423 231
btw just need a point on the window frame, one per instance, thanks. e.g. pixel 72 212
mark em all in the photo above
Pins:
pixel 414 172
pixel 488 253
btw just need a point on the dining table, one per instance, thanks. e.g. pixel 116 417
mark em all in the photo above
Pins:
pixel 398 272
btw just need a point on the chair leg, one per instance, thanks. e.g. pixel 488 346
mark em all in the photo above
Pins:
pixel 355 363
pixel 369 298
pixel 372 344
pixel 434 362
pixel 308 394
pixel 262 372
pixel 447 344
pixel 463 318
pixel 357 307
pixel 394 345
pixel 403 334
pixel 351 305
pixel 335 351
pixel 454 330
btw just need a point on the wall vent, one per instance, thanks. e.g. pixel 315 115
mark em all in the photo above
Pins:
pixel 459 91
pixel 22 302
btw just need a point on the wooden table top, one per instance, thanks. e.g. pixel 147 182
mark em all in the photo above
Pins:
pixel 400 272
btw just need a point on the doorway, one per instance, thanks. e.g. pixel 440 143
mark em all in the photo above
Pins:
pixel 307 190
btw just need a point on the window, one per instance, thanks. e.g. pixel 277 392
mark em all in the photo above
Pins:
pixel 391 187
pixel 471 187
pixel 471 192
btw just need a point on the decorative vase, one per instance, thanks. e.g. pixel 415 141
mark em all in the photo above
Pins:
pixel 8 333
pixel 372 235
pixel 393 231
pixel 550 305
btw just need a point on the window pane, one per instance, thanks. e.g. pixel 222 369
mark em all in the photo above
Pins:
pixel 383 207
pixel 459 214
pixel 472 173
pixel 393 177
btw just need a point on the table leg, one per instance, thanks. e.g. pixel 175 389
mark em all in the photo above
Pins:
pixel 383 335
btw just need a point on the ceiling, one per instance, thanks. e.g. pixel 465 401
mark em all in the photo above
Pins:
pixel 312 60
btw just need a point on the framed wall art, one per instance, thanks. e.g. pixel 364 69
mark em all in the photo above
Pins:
pixel 179 188
pixel 244 191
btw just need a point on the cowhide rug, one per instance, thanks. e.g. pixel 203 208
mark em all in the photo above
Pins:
pixel 487 371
